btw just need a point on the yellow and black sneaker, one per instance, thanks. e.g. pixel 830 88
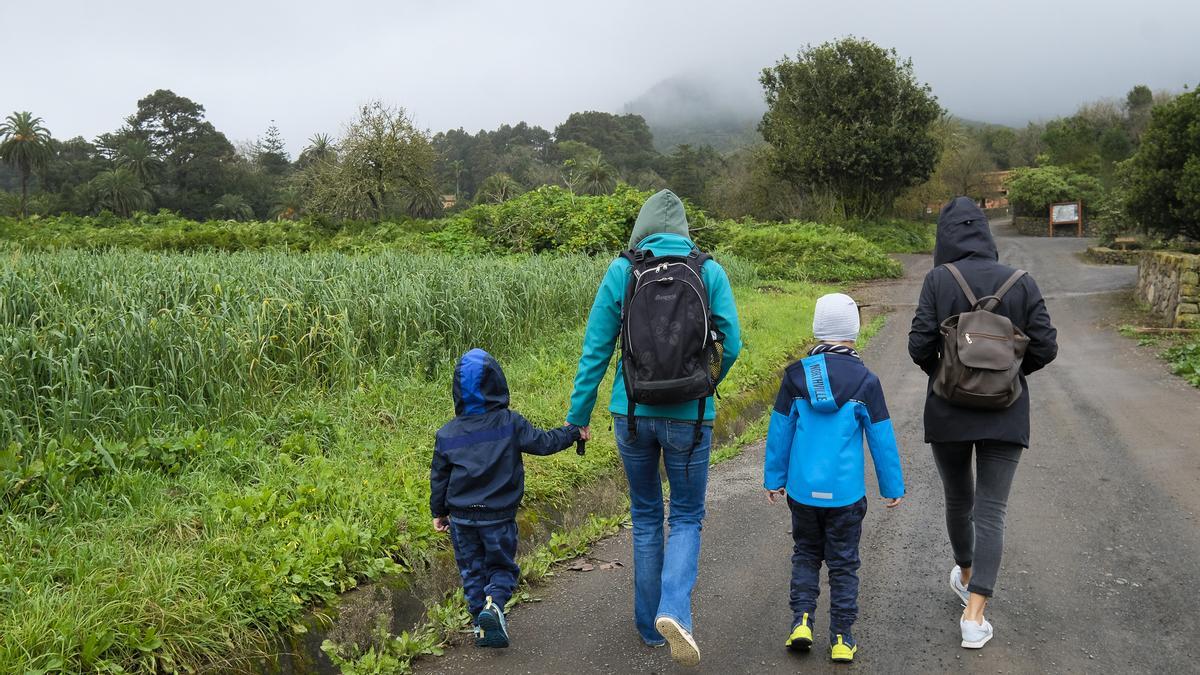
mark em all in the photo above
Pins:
pixel 843 649
pixel 801 638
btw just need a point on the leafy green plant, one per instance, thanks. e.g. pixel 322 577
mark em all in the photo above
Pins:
pixel 811 251
pixel 1185 361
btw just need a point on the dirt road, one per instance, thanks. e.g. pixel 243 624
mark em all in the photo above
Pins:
pixel 1102 562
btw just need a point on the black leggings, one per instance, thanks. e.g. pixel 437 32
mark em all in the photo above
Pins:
pixel 975 508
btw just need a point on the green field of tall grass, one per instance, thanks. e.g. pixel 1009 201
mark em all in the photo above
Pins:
pixel 198 448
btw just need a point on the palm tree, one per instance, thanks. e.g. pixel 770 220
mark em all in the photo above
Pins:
pixel 421 199
pixel 497 188
pixel 320 148
pixel 595 177
pixel 24 144
pixel 288 203
pixel 233 207
pixel 121 192
pixel 137 156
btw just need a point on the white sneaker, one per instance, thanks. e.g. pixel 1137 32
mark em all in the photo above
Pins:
pixel 683 648
pixel 956 585
pixel 975 635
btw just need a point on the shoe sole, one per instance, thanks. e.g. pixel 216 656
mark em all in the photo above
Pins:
pixel 800 645
pixel 977 644
pixel 841 660
pixel 493 635
pixel 683 649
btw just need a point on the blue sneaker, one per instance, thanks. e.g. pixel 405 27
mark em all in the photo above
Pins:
pixel 492 630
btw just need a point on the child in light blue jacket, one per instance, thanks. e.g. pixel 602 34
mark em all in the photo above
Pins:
pixel 814 457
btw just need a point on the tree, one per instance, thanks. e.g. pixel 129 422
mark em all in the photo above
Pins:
pixel 120 191
pixel 746 186
pixel 75 162
pixel 690 169
pixel 232 207
pixel 137 156
pixel 964 165
pixel 593 176
pixel 24 144
pixel 625 140
pixel 271 155
pixel 497 188
pixel 384 167
pixel 1138 103
pixel 851 118
pixel 1162 179
pixel 1032 190
pixel 198 160
pixel 320 149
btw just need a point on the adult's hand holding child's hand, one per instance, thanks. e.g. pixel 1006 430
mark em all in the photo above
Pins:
pixel 441 524
pixel 585 433
pixel 772 495
pixel 893 503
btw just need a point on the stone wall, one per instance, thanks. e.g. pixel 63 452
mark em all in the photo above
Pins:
pixel 1170 284
pixel 1040 227
pixel 1101 255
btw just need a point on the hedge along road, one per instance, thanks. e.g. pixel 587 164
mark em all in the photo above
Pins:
pixel 1102 554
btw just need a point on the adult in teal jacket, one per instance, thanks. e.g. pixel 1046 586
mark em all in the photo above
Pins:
pixel 664 574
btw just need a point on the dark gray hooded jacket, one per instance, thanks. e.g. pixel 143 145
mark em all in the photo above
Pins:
pixel 963 238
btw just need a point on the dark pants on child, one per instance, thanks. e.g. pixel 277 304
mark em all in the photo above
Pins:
pixel 486 556
pixel 828 535
pixel 975 506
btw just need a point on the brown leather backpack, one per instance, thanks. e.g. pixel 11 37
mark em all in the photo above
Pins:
pixel 981 352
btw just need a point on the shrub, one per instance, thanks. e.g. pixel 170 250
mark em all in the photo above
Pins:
pixel 1032 190
pixel 811 251
pixel 1163 178
pixel 895 235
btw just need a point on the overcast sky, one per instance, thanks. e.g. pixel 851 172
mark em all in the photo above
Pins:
pixel 82 64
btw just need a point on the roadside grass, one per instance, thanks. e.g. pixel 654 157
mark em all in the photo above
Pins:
pixel 143 531
pixel 1180 351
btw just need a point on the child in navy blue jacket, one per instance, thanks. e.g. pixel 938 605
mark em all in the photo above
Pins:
pixel 814 456
pixel 476 483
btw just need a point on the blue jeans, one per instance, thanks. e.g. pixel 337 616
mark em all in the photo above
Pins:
pixel 830 535
pixel 486 562
pixel 664 573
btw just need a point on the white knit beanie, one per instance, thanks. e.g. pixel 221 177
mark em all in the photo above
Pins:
pixel 836 318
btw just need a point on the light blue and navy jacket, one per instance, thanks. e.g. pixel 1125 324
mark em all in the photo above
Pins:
pixel 826 403
pixel 477 475
pixel 604 326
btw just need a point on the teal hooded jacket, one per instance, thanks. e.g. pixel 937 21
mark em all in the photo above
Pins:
pixel 661 228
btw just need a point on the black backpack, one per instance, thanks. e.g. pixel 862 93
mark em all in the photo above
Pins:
pixel 670 346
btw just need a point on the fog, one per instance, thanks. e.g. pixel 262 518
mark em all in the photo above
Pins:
pixel 82 65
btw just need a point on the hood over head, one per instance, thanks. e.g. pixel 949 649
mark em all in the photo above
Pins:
pixel 662 212
pixel 963 232
pixel 479 384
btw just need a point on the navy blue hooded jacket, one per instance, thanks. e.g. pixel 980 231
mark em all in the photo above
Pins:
pixel 963 238
pixel 477 472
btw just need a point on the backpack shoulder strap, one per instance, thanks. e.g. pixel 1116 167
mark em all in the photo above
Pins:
pixel 994 300
pixel 962 283
pixel 1012 281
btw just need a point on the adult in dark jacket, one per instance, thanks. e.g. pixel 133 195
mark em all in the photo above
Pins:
pixel 975 508
pixel 476 482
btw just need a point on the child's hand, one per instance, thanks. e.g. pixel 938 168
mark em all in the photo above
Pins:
pixel 772 495
pixel 585 433
pixel 893 503
pixel 441 524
